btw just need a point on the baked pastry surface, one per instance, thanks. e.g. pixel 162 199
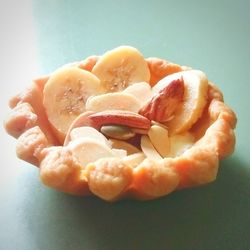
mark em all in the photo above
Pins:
pixel 122 126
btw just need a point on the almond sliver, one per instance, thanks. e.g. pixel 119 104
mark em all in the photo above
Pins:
pixel 148 149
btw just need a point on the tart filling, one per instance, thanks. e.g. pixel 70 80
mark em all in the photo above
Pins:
pixel 119 125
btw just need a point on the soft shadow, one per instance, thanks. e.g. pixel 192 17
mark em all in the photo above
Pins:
pixel 214 216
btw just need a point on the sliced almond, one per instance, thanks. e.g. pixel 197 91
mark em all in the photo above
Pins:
pixel 118 144
pixel 88 150
pixel 134 160
pixel 148 149
pixel 159 138
pixel 86 132
pixel 120 153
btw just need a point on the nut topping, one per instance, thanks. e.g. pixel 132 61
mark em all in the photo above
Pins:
pixel 117 132
pixel 161 106
pixel 119 117
pixel 109 117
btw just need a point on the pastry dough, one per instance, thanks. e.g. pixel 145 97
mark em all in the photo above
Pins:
pixel 133 176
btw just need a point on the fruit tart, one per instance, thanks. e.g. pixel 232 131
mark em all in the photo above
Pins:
pixel 122 126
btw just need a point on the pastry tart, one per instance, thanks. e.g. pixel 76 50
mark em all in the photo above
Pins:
pixel 122 126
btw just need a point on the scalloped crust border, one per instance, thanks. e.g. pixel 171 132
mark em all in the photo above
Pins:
pixel 149 180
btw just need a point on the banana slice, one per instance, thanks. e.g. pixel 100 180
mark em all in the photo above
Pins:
pixel 65 95
pixel 118 101
pixel 83 132
pixel 195 98
pixel 141 91
pixel 121 67
pixel 88 150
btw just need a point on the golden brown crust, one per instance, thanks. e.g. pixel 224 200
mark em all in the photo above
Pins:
pixel 34 97
pixel 197 166
pixel 29 103
pixel 109 178
pixel 60 170
pixel 221 132
pixel 214 93
pixel 30 144
pixel 20 119
pixel 159 68
pixel 89 63
pixel 154 179
pixel 112 178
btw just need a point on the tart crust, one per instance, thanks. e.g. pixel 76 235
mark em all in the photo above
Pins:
pixel 112 178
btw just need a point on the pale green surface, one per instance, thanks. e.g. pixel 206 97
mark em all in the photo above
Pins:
pixel 208 35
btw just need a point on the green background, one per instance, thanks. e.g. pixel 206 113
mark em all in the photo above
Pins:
pixel 213 36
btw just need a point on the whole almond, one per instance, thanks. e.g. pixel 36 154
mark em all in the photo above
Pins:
pixel 119 117
pixel 109 117
pixel 162 105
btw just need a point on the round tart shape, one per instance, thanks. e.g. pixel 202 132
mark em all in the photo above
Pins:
pixel 134 127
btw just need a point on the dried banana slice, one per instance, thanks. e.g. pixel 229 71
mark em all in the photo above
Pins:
pixel 65 95
pixel 121 67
